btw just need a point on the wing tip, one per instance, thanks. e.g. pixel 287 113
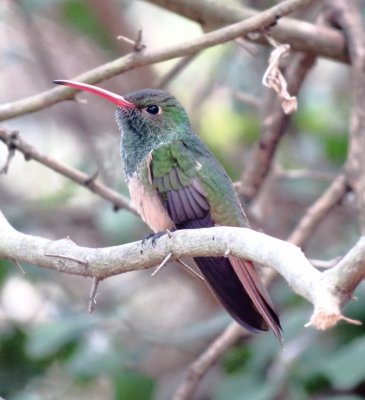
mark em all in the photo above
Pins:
pixel 278 333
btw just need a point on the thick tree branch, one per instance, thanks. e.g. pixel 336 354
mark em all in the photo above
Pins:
pixel 302 36
pixel 147 57
pixel 287 259
pixel 348 273
pixel 14 142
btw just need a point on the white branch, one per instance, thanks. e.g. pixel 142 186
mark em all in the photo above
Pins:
pixel 287 259
pixel 349 271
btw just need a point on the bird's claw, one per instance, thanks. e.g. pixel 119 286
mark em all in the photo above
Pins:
pixel 153 237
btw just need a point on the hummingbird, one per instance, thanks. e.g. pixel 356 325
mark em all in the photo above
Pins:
pixel 176 183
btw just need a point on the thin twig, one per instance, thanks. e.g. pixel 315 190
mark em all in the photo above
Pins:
pixel 303 174
pixel 199 367
pixel 248 99
pixel 90 182
pixel 17 264
pixel 69 258
pixel 163 263
pixel 5 168
pixel 249 47
pixel 319 209
pixel 137 43
pixel 93 293
pixel 325 264
pixel 11 151
pixel 190 269
pixel 163 82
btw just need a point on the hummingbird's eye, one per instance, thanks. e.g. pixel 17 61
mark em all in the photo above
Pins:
pixel 153 109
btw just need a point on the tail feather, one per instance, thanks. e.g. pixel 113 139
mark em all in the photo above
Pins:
pixel 238 287
pixel 251 281
pixel 225 285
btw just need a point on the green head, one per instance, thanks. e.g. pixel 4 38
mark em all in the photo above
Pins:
pixel 146 119
pixel 156 118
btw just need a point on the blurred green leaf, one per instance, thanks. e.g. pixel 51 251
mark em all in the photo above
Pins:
pixel 294 319
pixel 5 268
pixel 48 338
pixel 91 360
pixel 345 368
pixel 223 127
pixel 80 15
pixel 313 382
pixel 244 386
pixel 237 358
pixel 133 386
pixel 294 390
pixel 342 397
pixel 336 147
pixel 329 129
pixel 356 310
pixel 265 347
pixel 15 366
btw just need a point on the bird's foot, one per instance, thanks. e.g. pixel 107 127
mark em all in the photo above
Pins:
pixel 154 237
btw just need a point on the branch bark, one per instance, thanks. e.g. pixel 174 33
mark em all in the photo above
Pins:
pixel 348 273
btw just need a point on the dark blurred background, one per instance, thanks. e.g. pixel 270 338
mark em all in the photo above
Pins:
pixel 145 331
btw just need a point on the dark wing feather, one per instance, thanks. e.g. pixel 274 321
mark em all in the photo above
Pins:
pixel 196 210
pixel 183 203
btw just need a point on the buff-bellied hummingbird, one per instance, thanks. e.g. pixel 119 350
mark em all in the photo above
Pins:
pixel 175 182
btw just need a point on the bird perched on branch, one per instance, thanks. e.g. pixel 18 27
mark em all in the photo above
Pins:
pixel 175 182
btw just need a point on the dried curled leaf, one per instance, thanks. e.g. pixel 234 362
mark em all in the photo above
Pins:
pixel 274 79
